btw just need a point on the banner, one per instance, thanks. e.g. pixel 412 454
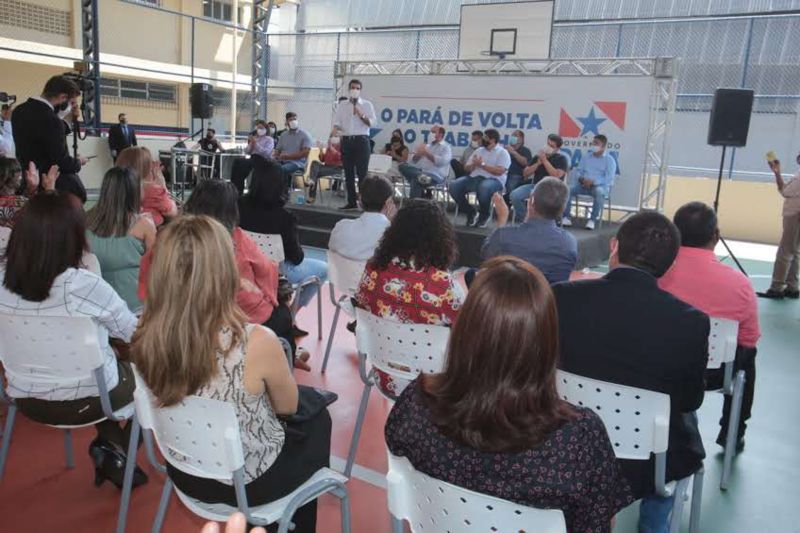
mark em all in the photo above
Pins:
pixel 577 108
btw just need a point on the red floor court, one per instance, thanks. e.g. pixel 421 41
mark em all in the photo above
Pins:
pixel 39 494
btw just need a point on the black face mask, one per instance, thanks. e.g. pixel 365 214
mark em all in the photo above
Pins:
pixel 61 107
pixel 396 138
pixel 209 135
pixel 485 143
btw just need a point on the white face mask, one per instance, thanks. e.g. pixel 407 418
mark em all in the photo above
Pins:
pixel 354 93
pixel 548 149
pixel 261 132
pixel 271 130
pixel 334 140
pixel 65 113
pixel 475 144
pixel 597 149
pixel 293 124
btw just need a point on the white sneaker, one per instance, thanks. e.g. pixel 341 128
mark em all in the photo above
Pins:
pixel 566 222
pixel 590 224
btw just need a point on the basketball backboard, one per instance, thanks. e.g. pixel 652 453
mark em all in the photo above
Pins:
pixel 506 30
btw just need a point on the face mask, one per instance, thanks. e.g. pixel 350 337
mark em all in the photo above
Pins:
pixel 65 111
pixel 209 135
pixel 514 139
pixel 354 93
pixel 334 140
pixel 485 143
pixel 597 148
pixel 293 124
pixel 548 149
pixel 433 139
pixel 123 121
pixel 271 130
pixel 396 138
pixel 475 144
pixel 261 132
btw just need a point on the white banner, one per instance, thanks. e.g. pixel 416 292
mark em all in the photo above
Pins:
pixel 574 107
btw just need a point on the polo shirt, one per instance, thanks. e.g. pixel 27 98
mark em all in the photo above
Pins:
pixel 557 159
pixel 516 169
pixel 442 154
pixel 498 157
pixel 292 141
pixel 540 242
pixel 698 278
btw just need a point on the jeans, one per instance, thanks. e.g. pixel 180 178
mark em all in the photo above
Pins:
pixel 519 198
pixel 654 514
pixel 289 167
pixel 483 187
pixel 355 159
pixel 298 273
pixel 412 174
pixel 598 192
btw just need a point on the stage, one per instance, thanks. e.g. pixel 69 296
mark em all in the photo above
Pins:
pixel 317 220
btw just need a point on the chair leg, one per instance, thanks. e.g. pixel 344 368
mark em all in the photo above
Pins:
pixel 127 480
pixel 362 413
pixel 733 429
pixel 344 504
pixel 330 339
pixel 677 509
pixel 397 525
pixel 697 498
pixel 162 506
pixel 7 430
pixel 68 448
pixel 319 312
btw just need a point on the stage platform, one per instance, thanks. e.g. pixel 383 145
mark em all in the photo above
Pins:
pixel 317 220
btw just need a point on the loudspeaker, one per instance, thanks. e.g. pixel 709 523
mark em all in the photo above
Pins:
pixel 729 121
pixel 202 100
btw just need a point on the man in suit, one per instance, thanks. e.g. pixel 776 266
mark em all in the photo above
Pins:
pixel 39 134
pixel 121 136
pixel 623 329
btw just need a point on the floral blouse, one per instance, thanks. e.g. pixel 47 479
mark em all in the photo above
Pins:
pixel 409 295
pixel 573 470
pixel 10 207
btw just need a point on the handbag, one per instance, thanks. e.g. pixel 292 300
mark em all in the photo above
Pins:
pixel 311 401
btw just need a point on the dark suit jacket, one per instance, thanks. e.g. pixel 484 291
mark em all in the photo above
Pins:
pixel 117 141
pixel 40 137
pixel 276 220
pixel 623 329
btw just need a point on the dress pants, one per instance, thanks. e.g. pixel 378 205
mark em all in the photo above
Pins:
pixel 745 360
pixel 355 159
pixel 785 271
pixel 72 184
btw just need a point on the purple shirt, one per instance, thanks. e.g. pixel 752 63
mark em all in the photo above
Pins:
pixel 263 147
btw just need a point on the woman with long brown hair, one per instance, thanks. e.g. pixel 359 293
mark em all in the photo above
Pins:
pixel 193 339
pixel 492 421
pixel 155 197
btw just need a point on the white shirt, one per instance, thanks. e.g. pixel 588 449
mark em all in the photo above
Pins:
pixel 75 292
pixel 7 148
pixel 499 157
pixel 357 238
pixel 442 154
pixel 348 123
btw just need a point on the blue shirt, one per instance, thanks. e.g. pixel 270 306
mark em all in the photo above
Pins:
pixel 541 243
pixel 601 170
pixel 292 141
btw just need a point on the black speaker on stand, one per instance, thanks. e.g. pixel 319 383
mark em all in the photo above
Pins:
pixel 728 125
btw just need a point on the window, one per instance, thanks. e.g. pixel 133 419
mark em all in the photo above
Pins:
pixel 138 90
pixel 147 2
pixel 220 10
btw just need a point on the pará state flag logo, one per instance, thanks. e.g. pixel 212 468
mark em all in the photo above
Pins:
pixel 599 116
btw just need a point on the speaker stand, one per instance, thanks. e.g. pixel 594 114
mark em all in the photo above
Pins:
pixel 716 210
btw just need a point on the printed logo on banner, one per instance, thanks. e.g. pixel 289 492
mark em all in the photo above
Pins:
pixel 590 124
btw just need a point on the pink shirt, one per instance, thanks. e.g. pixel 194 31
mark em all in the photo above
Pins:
pixel 699 279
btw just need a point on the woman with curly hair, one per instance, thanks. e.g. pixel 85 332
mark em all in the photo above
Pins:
pixel 408 279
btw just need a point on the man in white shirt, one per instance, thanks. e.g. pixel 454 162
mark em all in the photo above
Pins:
pixel 488 170
pixel 357 238
pixel 6 135
pixel 429 165
pixel 352 120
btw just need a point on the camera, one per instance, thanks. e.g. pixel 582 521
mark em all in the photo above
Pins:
pixel 7 99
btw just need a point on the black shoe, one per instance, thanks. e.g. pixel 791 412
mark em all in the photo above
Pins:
pixel 723 436
pixel 482 221
pixel 348 207
pixel 794 295
pixel 109 464
pixel 351 327
pixel 471 218
pixel 772 294
pixel 297 332
pixel 427 194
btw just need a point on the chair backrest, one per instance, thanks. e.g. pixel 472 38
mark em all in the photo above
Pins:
pixel 722 341
pixel 344 273
pixel 637 420
pixel 433 505
pixel 49 349
pixel 270 245
pixel 401 350
pixel 379 163
pixel 5 234
pixel 198 436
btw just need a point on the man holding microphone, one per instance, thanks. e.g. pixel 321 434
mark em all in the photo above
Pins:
pixel 785 271
pixel 352 120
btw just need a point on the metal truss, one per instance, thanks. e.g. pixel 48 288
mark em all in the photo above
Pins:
pixel 662 100
pixel 262 10
pixel 91 58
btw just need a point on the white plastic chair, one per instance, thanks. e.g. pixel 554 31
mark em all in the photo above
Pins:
pixel 271 245
pixel 722 343
pixel 46 350
pixel 344 274
pixel 401 350
pixel 200 436
pixel 637 422
pixel 429 504
pixel 379 164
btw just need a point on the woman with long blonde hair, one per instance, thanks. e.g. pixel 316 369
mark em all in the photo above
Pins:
pixel 155 197
pixel 193 339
